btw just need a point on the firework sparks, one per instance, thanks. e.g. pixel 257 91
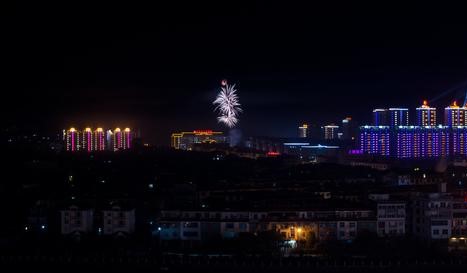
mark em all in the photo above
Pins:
pixel 227 105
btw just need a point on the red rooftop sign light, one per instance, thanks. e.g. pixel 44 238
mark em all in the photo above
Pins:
pixel 202 132
pixel 273 154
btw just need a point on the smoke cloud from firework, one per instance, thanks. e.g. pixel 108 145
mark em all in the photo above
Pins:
pixel 227 105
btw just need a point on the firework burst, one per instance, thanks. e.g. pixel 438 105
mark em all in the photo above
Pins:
pixel 227 105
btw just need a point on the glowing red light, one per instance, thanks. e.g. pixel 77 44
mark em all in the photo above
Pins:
pixel 273 154
pixel 202 132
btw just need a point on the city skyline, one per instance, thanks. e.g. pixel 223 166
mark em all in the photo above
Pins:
pixel 266 136
pixel 161 72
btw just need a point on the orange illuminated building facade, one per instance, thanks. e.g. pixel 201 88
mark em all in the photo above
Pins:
pixel 186 140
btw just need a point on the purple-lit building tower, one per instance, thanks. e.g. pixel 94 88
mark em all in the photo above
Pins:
pixel 122 139
pixel 88 143
pixel 72 140
pixel 117 139
pixel 99 140
pixel 407 141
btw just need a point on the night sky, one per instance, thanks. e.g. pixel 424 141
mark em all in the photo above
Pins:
pixel 159 67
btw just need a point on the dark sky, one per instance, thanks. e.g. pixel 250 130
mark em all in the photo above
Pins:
pixel 158 67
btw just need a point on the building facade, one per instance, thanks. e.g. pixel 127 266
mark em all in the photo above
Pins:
pixel 290 225
pixel 303 131
pixel 454 115
pixel 99 139
pixel 432 216
pixel 380 117
pixel 72 140
pixel 398 116
pixel 459 217
pixel 426 115
pixel 331 132
pixel 76 220
pixel 118 221
pixel 424 140
pixel 186 140
pixel 375 140
pixel 391 218
pixel 89 141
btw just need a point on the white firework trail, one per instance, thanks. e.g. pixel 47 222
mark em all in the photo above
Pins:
pixel 227 104
pixel 230 121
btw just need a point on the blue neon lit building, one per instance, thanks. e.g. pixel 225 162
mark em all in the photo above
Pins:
pixel 409 141
pixel 375 140
pixel 419 141
pixel 426 115
pixel 454 115
pixel 459 140
pixel 380 117
pixel 398 117
pixel 398 139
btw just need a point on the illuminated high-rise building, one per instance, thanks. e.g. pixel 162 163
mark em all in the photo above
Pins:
pixel 454 115
pixel 117 139
pixel 303 131
pixel 99 140
pixel 72 140
pixel 459 140
pixel 426 140
pixel 426 115
pixel 422 142
pixel 380 117
pixel 87 140
pixel 404 141
pixel 126 138
pixel 331 131
pixel 109 140
pixel 375 140
pixel 430 142
pixel 121 139
pixel 445 143
pixel 398 117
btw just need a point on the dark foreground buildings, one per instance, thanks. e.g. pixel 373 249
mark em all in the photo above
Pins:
pixel 145 204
